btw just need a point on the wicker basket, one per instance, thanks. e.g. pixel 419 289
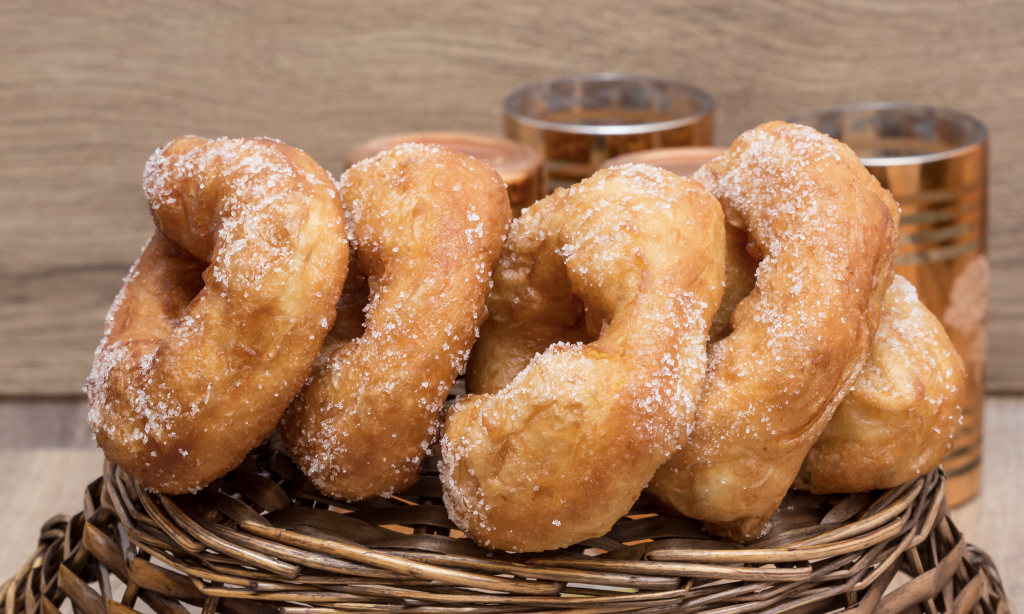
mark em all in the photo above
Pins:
pixel 263 540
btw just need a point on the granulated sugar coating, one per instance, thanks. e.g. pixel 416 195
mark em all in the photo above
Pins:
pixel 825 234
pixel 586 374
pixel 899 420
pixel 426 225
pixel 189 378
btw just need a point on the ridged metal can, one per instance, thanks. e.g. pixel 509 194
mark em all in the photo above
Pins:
pixel 935 163
pixel 577 123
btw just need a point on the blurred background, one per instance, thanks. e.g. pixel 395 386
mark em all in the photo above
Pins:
pixel 89 90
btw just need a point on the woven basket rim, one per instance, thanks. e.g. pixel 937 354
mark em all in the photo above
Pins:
pixel 263 539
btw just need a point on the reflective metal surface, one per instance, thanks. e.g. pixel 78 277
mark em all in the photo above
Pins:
pixel 518 165
pixel 683 161
pixel 577 123
pixel 934 161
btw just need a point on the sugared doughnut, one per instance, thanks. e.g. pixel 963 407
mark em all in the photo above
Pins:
pixel 899 419
pixel 740 277
pixel 426 225
pixel 825 235
pixel 221 318
pixel 590 362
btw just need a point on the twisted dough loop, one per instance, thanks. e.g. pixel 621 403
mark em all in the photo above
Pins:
pixel 825 233
pixel 427 225
pixel 631 258
pixel 899 419
pixel 189 378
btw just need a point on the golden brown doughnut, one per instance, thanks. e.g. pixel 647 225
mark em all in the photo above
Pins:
pixel 631 261
pixel 740 277
pixel 426 224
pixel 221 318
pixel 825 234
pixel 899 419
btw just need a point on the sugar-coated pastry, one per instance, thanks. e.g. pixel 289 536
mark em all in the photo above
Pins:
pixel 899 419
pixel 587 372
pixel 221 319
pixel 426 225
pixel 824 233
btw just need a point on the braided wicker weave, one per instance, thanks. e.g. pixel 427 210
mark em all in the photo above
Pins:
pixel 263 540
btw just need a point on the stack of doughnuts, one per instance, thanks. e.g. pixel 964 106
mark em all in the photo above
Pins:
pixel 822 234
pixel 716 340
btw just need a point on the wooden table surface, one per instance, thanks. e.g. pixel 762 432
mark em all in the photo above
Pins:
pixel 47 457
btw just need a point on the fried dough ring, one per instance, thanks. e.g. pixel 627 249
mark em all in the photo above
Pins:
pixel 740 278
pixel 189 378
pixel 631 258
pixel 427 225
pixel 899 419
pixel 826 234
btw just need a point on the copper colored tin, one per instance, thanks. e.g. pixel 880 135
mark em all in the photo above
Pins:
pixel 934 161
pixel 682 161
pixel 518 165
pixel 577 123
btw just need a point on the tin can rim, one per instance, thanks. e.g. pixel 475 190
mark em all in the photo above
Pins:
pixel 975 128
pixel 516 100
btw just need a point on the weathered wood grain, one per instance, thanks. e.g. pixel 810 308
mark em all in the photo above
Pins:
pixel 37 485
pixel 88 90
pixel 44 423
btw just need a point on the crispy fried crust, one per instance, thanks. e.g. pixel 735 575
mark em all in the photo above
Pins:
pixel 740 277
pixel 825 233
pixel 189 378
pixel 899 419
pixel 427 225
pixel 632 259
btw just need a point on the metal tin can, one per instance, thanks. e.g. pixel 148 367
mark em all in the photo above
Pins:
pixel 934 161
pixel 683 161
pixel 577 123
pixel 518 165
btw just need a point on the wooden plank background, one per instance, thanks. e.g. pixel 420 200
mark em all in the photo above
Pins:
pixel 89 89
